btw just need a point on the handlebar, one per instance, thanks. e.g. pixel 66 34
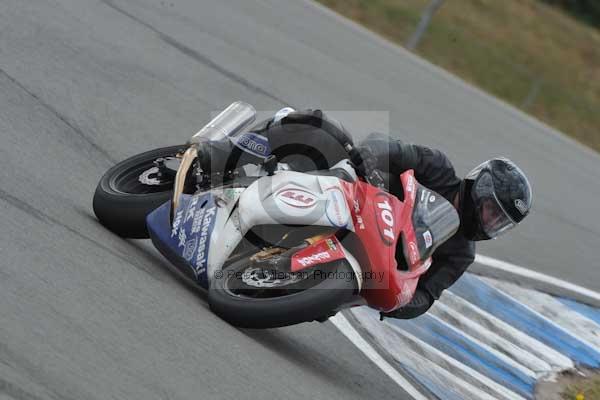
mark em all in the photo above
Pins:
pixel 365 167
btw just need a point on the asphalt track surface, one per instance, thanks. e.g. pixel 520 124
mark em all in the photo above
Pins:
pixel 83 84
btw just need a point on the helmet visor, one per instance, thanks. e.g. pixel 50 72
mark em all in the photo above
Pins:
pixel 493 218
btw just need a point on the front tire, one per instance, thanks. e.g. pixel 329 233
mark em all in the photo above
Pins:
pixel 229 299
pixel 122 202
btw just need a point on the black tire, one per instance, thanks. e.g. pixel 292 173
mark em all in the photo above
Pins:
pixel 120 205
pixel 315 303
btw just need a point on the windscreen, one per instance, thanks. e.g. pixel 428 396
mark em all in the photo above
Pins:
pixel 434 220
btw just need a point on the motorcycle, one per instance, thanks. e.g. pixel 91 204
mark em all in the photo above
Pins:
pixel 274 246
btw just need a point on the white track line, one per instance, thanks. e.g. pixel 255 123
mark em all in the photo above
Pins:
pixel 537 280
pixel 348 330
pixel 544 282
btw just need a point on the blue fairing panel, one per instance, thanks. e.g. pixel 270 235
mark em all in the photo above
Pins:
pixel 185 244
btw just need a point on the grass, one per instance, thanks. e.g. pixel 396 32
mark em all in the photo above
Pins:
pixel 510 48
pixel 590 389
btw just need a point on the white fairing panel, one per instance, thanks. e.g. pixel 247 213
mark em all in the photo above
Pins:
pixel 226 234
pixel 297 199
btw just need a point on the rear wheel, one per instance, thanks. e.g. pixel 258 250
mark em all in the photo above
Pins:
pixel 132 189
pixel 254 294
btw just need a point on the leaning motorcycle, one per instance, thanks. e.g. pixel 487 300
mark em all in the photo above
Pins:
pixel 274 246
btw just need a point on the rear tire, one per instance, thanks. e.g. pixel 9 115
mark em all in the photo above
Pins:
pixel 316 303
pixel 120 205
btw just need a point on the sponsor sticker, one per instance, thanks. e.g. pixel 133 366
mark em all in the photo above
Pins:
pixel 360 223
pixel 336 209
pixel 253 143
pixel 359 219
pixel 410 185
pixel 356 206
pixel 232 194
pixel 205 230
pixel 321 252
pixel 297 197
pixel 182 237
pixel 190 248
pixel 521 206
pixel 428 239
pixel 413 252
pixel 191 209
pixel 314 259
pixel 189 236
pixel 331 244
pixel 176 223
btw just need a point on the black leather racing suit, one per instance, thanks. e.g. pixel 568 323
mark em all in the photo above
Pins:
pixel 433 170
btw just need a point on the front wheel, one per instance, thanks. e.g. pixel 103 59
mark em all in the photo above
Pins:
pixel 255 295
pixel 132 189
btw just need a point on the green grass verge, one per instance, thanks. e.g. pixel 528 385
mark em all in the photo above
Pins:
pixel 508 48
pixel 590 389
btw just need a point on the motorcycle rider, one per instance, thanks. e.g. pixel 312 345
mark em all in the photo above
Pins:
pixel 492 199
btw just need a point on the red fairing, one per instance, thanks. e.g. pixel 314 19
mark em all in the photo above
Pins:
pixel 379 220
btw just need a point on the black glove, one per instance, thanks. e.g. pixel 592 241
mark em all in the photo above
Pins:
pixel 419 304
pixel 365 164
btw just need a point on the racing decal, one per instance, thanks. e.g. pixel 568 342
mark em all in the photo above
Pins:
pixel 190 248
pixel 413 253
pixel 186 242
pixel 312 259
pixel 336 208
pixel 521 206
pixel 410 184
pixel 331 244
pixel 191 231
pixel 191 209
pixel 232 194
pixel 321 252
pixel 182 236
pixel 253 143
pixel 360 222
pixel 202 226
pixel 297 197
pixel 176 222
pixel 428 239
pixel 359 219
pixel 426 195
pixel 384 217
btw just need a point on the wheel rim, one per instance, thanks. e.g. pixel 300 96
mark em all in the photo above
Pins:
pixel 268 278
pixel 263 282
pixel 142 178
